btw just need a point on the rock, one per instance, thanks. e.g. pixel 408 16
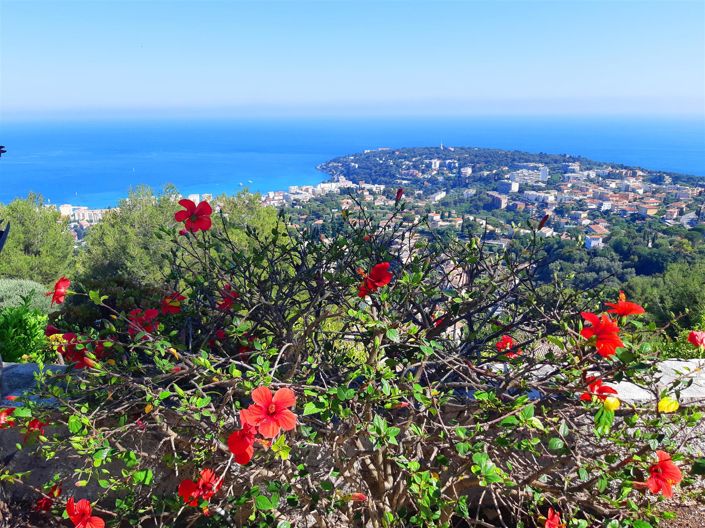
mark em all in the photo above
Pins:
pixel 18 378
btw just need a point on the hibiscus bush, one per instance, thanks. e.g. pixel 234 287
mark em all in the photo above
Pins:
pixel 376 378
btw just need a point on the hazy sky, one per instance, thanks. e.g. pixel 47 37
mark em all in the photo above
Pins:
pixel 106 57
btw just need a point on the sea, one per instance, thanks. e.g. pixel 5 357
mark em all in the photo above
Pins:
pixel 95 162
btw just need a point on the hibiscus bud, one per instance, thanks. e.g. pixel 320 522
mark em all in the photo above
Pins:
pixel 543 221
pixel 400 405
pixel 612 403
pixel 400 193
pixel 358 497
pixel 668 405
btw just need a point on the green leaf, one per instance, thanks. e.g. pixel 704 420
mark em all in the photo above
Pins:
pixel 311 408
pixel 509 421
pixel 555 444
pixel 393 335
pixel 22 412
pixel 94 296
pixel 641 524
pixel 527 412
pixel 75 424
pixel 263 503
pixel 144 476
pixel 281 448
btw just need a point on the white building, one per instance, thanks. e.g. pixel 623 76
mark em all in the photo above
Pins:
pixel 594 242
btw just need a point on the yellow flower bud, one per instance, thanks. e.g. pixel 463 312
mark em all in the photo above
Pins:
pixel 612 403
pixel 111 362
pixel 668 405
pixel 148 408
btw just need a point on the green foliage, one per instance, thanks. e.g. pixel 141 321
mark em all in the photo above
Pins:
pixel 22 333
pixel 127 247
pixel 407 414
pixel 677 293
pixel 40 246
pixel 128 255
pixel 16 292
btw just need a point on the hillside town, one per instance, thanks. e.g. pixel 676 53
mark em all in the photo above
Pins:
pixel 578 196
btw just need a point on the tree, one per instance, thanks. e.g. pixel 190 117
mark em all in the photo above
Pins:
pixel 126 244
pixel 40 245
pixel 678 291
pixel 128 254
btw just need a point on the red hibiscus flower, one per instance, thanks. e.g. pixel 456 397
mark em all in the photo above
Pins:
pixel 142 321
pixel 74 350
pixel 171 304
pixel 6 418
pixel 378 277
pixel 358 497
pixel 34 429
pixel 195 217
pixel 242 442
pixel 507 343
pixel 81 516
pixel 697 339
pixel 46 502
pixel 624 308
pixel 605 331
pixel 553 519
pixel 664 474
pixel 597 389
pixel 58 294
pixel 269 414
pixel 228 295
pixel 218 336
pixel 51 330
pixel 208 485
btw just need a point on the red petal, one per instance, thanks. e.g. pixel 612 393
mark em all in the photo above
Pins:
pixel 245 456
pixel 268 427
pixel 181 215
pixel 284 398
pixel 591 318
pixel 254 414
pixel 286 419
pixel 94 522
pixel 188 205
pixel 203 209
pixel 262 396
pixel 203 223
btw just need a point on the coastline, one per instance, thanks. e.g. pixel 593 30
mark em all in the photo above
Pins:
pixel 95 163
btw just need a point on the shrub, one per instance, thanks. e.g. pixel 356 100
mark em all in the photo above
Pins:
pixel 374 378
pixel 17 292
pixel 22 333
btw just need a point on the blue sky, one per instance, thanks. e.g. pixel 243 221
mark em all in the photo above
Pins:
pixel 207 58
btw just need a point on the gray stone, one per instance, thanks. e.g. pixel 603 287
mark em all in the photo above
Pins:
pixel 18 378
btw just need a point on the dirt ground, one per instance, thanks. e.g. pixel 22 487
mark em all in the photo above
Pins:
pixel 692 516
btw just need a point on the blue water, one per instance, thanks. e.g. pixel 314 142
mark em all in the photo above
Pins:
pixel 95 163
